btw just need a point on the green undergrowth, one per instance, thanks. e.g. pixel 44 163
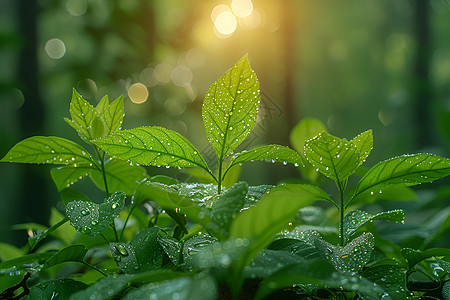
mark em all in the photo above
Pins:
pixel 154 237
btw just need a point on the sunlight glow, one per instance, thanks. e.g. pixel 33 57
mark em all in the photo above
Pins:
pixel 138 93
pixel 242 8
pixel 226 23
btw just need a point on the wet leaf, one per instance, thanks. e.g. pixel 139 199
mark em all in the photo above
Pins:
pixel 111 114
pixel 364 144
pixel 56 289
pixel 220 254
pixel 357 218
pixel 152 146
pixel 70 253
pixel 84 118
pixel 194 245
pixel 91 218
pixel 148 251
pixel 316 272
pixel 125 257
pixel 171 247
pixel 350 258
pixel 199 286
pixel 8 251
pixel 68 195
pixel 65 176
pixel 226 207
pixel 407 170
pixel 268 262
pixel 25 261
pixel 446 291
pixel 415 256
pixel 49 150
pixel 333 157
pixel 230 108
pixel 273 153
pixel 295 246
pixel 306 129
pixel 105 288
pixel 445 265
pixel 391 278
pixel 120 176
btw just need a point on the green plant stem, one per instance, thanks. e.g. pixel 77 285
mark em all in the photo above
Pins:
pixel 342 211
pixel 219 181
pixel 94 267
pixel 115 231
pixel 126 222
pixel 107 242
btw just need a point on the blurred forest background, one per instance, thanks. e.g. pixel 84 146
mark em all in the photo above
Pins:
pixel 354 65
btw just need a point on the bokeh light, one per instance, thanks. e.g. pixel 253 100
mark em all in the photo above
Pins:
pixel 226 23
pixel 76 7
pixel 181 76
pixel 138 93
pixel 55 48
pixel 163 73
pixel 242 8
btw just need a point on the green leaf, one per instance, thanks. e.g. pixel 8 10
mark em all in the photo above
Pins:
pixel 49 150
pixel 406 170
pixel 219 254
pixel 24 262
pixel 69 194
pixel 194 245
pixel 120 175
pixel 306 129
pixel 85 119
pixel 333 157
pixel 171 247
pixel 445 265
pixel 70 253
pixel 152 146
pixel 391 278
pixel 35 239
pixel 225 208
pixel 105 288
pixel 357 218
pixel 415 256
pixel 446 291
pixel 91 218
pixel 295 246
pixel 199 286
pixel 364 144
pixel 350 258
pixel 112 114
pixel 65 176
pixel 230 108
pixel 147 248
pixel 56 289
pixel 319 273
pixel 8 251
pixel 273 153
pixel 268 262
pixel 168 197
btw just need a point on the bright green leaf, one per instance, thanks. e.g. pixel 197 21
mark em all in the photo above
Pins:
pixel 357 218
pixel 306 129
pixel 120 176
pixel 273 153
pixel 333 157
pixel 111 114
pixel 152 146
pixel 406 170
pixel 65 176
pixel 230 108
pixel 49 150
pixel 70 253
pixel 84 118
pixel 364 144
pixel 91 218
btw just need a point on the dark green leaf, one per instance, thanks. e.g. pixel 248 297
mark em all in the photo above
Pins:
pixel 120 176
pixel 445 265
pixel 333 157
pixel 230 108
pixel 147 249
pixel 228 205
pixel 152 146
pixel 91 218
pixel 407 170
pixel 194 245
pixel 219 254
pixel 125 257
pixel 25 262
pixel 414 256
pixel 446 291
pixel 70 253
pixel 295 246
pixel 171 247
pixel 350 258
pixel 391 278
pixel 49 150
pixel 273 153
pixel 105 288
pixel 56 289
pixel 199 286
pixel 65 176
pixel 357 218
pixel 8 251
pixel 268 262
pixel 306 129
pixel 319 273
pixel 68 195
pixel 364 144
